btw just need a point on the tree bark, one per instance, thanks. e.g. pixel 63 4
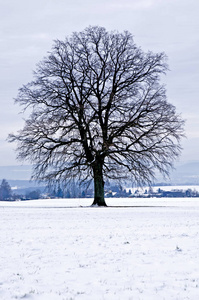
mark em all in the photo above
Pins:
pixel 98 185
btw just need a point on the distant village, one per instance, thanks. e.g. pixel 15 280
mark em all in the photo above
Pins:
pixel 154 192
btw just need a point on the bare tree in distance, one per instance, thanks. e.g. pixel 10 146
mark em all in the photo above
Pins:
pixel 5 191
pixel 99 111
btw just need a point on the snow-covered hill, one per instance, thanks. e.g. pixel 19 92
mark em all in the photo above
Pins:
pixel 185 173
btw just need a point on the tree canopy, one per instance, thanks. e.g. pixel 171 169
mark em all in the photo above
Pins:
pixel 99 111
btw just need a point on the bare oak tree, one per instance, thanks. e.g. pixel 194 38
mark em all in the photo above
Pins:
pixel 99 111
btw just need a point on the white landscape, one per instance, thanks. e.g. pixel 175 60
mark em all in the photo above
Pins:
pixel 64 249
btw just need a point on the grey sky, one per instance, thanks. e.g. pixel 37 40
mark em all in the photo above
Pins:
pixel 28 29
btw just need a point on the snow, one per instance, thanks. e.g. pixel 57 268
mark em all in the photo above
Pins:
pixel 55 249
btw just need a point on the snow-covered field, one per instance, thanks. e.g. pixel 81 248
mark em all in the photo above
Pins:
pixel 55 249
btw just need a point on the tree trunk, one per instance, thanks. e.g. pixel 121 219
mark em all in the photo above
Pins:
pixel 98 186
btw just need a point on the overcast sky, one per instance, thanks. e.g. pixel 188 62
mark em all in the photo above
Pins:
pixel 28 29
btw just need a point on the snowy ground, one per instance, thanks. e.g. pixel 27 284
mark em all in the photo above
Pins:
pixel 55 249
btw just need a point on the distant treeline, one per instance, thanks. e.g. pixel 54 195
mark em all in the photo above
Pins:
pixel 76 190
